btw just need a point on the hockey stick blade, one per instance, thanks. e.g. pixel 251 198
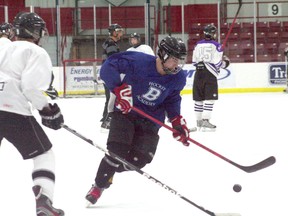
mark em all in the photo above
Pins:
pixel 146 175
pixel 261 165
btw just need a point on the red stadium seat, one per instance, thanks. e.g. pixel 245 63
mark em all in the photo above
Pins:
pixel 247 48
pixel 285 26
pixel 234 49
pixel 283 36
pixel 245 36
pixel 260 48
pixel 262 27
pixel 249 58
pixel 247 27
pixel 261 37
pixel 263 58
pixel 236 27
pixel 271 48
pixel 275 26
pixel 277 57
pixel 272 37
pixel 224 27
pixel 233 37
pixel 236 58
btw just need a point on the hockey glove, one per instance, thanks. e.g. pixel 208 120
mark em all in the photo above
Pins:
pixel 124 100
pixel 52 117
pixel 225 62
pixel 182 134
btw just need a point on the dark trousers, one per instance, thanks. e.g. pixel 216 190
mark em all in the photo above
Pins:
pixel 105 111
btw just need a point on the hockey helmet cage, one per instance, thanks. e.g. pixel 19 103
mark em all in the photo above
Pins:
pixel 114 27
pixel 6 29
pixel 136 36
pixel 171 46
pixel 210 32
pixel 29 25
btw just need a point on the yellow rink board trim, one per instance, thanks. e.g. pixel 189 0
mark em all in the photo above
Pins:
pixel 242 90
pixel 189 91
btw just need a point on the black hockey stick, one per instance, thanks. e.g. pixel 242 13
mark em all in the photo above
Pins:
pixel 134 168
pixel 232 25
pixel 253 168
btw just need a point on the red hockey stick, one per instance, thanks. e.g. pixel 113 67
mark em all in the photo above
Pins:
pixel 249 169
pixel 232 25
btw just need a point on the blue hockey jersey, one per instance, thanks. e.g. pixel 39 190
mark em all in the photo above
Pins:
pixel 155 94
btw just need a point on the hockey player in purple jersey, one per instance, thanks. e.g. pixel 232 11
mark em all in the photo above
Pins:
pixel 208 59
pixel 152 84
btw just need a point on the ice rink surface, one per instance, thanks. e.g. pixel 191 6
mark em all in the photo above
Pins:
pixel 250 128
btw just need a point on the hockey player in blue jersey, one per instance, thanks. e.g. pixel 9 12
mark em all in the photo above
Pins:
pixel 152 84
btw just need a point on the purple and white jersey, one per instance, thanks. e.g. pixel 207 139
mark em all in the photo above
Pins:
pixel 209 52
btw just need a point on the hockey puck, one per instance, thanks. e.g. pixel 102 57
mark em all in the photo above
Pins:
pixel 237 188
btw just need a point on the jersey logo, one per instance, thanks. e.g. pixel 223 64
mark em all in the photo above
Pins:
pixel 2 84
pixel 152 94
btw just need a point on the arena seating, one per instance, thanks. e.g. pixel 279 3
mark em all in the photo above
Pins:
pixel 271 40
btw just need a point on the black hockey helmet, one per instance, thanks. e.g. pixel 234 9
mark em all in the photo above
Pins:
pixel 136 36
pixel 6 29
pixel 29 25
pixel 210 32
pixel 114 27
pixel 171 46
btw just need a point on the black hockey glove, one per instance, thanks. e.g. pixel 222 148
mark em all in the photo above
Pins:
pixel 51 116
pixel 225 62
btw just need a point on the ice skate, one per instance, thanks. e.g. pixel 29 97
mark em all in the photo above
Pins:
pixel 198 126
pixel 44 204
pixel 207 126
pixel 93 195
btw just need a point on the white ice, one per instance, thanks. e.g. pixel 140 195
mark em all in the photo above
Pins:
pixel 250 128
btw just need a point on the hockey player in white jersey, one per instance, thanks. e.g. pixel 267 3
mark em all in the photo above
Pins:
pixel 208 59
pixel 137 46
pixel 25 73
pixel 6 33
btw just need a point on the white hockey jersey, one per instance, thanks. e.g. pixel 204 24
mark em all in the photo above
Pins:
pixel 25 73
pixel 4 40
pixel 142 48
pixel 210 52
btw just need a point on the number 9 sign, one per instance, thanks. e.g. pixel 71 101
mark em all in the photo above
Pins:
pixel 274 9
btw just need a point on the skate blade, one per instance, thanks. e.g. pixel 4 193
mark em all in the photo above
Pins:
pixel 104 130
pixel 194 129
pixel 89 204
pixel 227 214
pixel 207 129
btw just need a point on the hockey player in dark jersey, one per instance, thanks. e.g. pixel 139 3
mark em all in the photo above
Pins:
pixel 110 47
pixel 152 84
pixel 208 59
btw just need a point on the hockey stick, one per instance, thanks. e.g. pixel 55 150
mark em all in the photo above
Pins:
pixel 232 25
pixel 134 168
pixel 249 169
